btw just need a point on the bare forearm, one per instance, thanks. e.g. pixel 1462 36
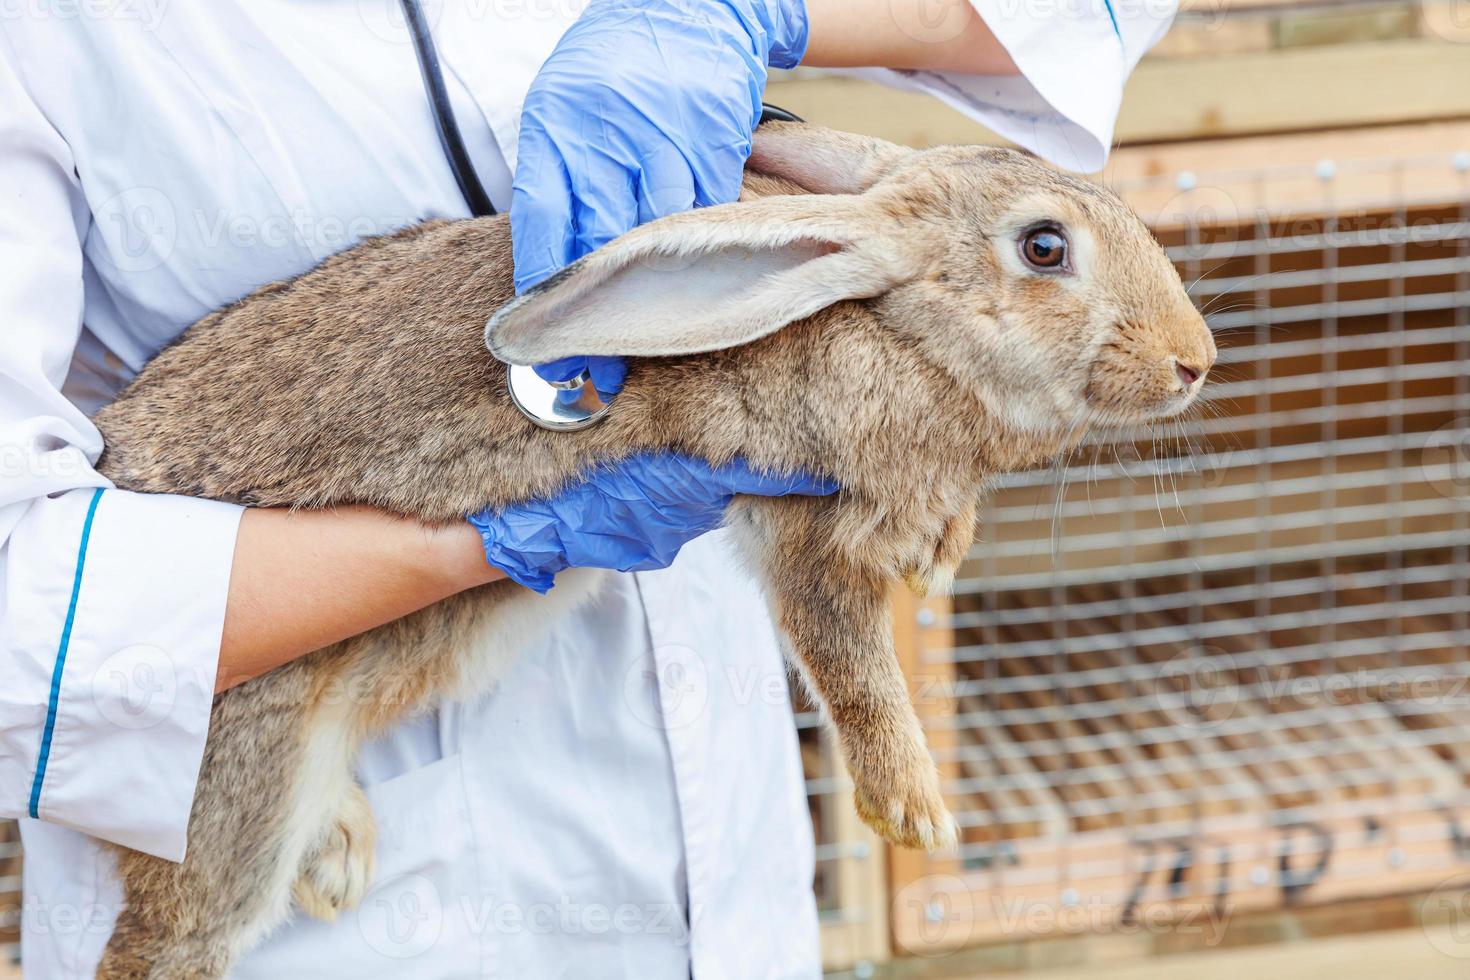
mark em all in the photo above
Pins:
pixel 302 581
pixel 938 35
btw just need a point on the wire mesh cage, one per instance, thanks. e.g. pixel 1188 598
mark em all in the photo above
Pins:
pixel 9 895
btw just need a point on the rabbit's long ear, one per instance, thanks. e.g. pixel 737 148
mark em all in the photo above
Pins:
pixel 823 161
pixel 707 279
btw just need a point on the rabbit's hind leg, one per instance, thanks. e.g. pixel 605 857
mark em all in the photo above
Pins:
pixel 277 769
pixel 337 871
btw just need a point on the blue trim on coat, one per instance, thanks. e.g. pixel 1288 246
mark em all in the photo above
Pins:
pixel 71 615
pixel 1114 18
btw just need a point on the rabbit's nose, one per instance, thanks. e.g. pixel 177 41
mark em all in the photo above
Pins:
pixel 1187 373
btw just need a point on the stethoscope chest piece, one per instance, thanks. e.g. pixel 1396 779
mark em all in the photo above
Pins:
pixel 559 405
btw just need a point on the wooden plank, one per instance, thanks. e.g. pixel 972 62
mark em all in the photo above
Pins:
pixel 1211 10
pixel 1224 868
pixel 1229 188
pixel 1213 37
pixel 923 639
pixel 1301 88
pixel 1347 26
pixel 1209 28
pixel 1309 88
pixel 861 884
pixel 1366 939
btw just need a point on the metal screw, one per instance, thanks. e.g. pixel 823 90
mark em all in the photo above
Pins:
pixel 1186 181
pixel 863 970
pixel 1396 857
pixel 1326 170
pixel 1260 876
pixel 926 617
pixel 1461 161
pixel 1069 897
pixel 934 912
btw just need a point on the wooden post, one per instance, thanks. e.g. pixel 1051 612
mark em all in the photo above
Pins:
pixel 924 638
pixel 860 932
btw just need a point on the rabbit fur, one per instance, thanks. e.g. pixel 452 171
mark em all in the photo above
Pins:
pixel 864 312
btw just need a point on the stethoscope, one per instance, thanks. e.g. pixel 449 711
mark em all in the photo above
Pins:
pixel 562 406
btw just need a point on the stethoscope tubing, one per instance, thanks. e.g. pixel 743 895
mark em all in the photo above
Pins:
pixel 543 402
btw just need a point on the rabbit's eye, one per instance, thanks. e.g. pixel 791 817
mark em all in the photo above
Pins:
pixel 1044 248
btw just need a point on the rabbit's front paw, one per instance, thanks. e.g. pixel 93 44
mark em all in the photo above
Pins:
pixel 336 875
pixel 903 805
pixel 934 573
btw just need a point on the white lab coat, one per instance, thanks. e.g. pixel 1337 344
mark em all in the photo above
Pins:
pixel 629 801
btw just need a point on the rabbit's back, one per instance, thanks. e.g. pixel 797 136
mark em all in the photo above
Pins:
pixel 366 381
pixel 330 388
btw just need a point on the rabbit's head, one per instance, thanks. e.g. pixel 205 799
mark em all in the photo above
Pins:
pixel 1041 293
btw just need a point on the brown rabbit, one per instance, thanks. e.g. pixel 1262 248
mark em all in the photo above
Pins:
pixel 910 323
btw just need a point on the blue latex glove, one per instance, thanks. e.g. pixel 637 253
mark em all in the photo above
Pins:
pixel 631 516
pixel 645 108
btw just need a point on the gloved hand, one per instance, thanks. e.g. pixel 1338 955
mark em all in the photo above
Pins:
pixel 632 516
pixel 645 108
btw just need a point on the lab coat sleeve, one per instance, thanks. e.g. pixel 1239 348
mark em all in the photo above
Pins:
pixel 1074 57
pixel 111 603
